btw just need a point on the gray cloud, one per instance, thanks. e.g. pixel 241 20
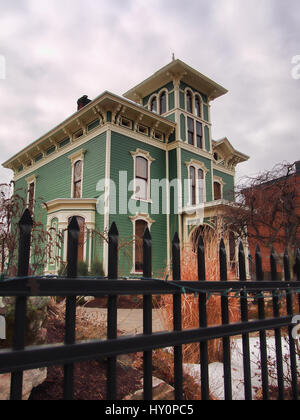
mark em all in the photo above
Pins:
pixel 57 51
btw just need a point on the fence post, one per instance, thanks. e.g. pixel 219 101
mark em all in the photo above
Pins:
pixel 203 322
pixel 262 334
pixel 70 324
pixel 25 227
pixel 289 306
pixel 112 310
pixel 178 377
pixel 245 318
pixel 147 313
pixel 278 344
pixel 297 272
pixel 225 321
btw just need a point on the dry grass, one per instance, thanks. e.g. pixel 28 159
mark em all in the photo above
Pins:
pixel 87 328
pixel 190 304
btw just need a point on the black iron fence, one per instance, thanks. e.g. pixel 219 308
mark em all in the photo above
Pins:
pixel 19 359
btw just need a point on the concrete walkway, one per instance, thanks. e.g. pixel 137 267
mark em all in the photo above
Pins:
pixel 130 321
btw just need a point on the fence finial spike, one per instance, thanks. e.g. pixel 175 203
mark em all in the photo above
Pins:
pixel 113 231
pixel 147 234
pixel 222 244
pixel 26 219
pixel 201 242
pixel 176 239
pixel 73 225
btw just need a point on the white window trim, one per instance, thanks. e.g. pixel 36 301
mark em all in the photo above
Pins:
pixel 195 133
pixel 63 214
pixel 201 105
pixel 197 165
pixel 75 157
pixel 146 218
pixel 145 155
pixel 186 90
pixel 157 96
pixel 222 183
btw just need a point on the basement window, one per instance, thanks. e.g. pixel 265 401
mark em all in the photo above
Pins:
pixel 126 123
pixel 78 134
pixel 64 142
pixel 50 150
pixel 142 129
pixel 93 125
pixel 38 157
pixel 158 136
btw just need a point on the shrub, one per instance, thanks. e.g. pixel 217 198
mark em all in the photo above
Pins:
pixel 97 269
pixel 82 269
pixel 35 317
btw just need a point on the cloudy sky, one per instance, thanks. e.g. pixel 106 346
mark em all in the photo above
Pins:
pixel 58 50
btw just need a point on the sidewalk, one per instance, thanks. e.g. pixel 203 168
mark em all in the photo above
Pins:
pixel 130 321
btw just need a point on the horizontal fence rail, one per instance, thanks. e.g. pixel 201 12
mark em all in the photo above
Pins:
pixel 19 359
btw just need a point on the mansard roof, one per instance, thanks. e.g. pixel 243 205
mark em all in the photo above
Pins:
pixel 177 69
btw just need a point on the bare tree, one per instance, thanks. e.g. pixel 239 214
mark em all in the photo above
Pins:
pixel 267 209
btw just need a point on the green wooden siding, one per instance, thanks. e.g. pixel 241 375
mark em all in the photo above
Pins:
pixel 228 189
pixel 53 180
pixel 182 127
pixel 186 156
pixel 122 160
pixel 207 138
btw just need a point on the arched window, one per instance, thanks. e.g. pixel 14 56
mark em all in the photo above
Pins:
pixel 163 103
pixel 140 227
pixel 153 105
pixel 200 186
pixel 217 191
pixel 197 106
pixel 193 185
pixel 189 101
pixel 141 178
pixel 77 179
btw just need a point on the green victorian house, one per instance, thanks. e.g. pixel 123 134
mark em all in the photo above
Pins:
pixel 144 159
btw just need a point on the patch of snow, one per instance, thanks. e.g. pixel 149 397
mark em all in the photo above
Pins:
pixel 216 370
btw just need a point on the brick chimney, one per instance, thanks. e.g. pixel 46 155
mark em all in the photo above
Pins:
pixel 83 101
pixel 297 164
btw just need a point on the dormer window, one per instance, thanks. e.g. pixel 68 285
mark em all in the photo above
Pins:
pixel 197 106
pixel 153 105
pixel 163 103
pixel 189 101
